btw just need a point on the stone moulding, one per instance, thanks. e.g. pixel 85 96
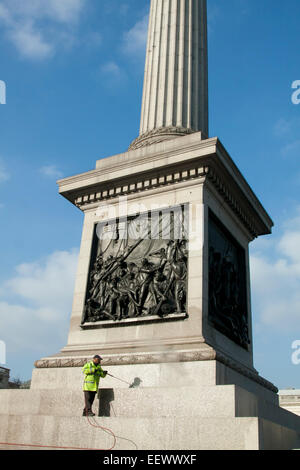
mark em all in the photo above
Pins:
pixel 134 321
pixel 126 359
pixel 157 358
pixel 157 136
pixel 227 196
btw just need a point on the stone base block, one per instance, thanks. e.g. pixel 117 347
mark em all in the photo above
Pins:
pixel 164 433
pixel 222 401
pixel 182 418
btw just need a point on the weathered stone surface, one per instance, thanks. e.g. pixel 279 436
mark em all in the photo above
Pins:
pixel 290 400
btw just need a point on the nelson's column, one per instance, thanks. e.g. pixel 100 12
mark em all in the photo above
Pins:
pixel 163 285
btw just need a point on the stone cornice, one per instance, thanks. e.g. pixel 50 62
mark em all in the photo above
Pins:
pixel 122 165
pixel 140 172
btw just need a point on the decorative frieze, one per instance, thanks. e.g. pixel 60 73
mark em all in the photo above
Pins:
pixel 142 184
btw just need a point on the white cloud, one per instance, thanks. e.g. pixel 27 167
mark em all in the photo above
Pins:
pixel 38 27
pixel 133 46
pixel 30 42
pixel 65 11
pixel 113 76
pixel 4 175
pixel 135 40
pixel 283 127
pixel 94 39
pixel 112 69
pixel 213 14
pixel 288 129
pixel 35 304
pixel 276 279
pixel 51 171
pixel 291 149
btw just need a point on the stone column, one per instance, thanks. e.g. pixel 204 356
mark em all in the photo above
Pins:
pixel 175 95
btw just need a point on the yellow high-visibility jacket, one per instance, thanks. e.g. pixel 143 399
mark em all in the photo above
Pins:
pixel 92 374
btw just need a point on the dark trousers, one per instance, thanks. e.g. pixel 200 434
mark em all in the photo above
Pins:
pixel 89 398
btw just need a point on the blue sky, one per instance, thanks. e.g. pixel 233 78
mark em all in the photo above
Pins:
pixel 74 72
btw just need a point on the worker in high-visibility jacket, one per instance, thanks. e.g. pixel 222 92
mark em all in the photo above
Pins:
pixel 92 372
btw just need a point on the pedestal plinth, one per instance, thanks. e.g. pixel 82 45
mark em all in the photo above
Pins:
pixel 196 273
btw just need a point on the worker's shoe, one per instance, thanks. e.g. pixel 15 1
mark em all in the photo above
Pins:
pixel 88 413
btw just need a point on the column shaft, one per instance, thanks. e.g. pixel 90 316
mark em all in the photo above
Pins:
pixel 175 94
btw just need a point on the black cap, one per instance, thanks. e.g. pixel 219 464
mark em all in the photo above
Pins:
pixel 97 357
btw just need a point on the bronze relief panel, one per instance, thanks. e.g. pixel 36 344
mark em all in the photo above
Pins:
pixel 138 267
pixel 228 310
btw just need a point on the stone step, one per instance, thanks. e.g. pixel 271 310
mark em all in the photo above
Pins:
pixel 221 401
pixel 168 433
pixel 41 402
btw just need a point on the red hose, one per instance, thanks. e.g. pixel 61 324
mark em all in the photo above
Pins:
pixel 61 447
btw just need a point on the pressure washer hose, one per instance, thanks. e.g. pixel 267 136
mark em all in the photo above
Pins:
pixel 67 448
pixel 121 380
pixel 78 448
